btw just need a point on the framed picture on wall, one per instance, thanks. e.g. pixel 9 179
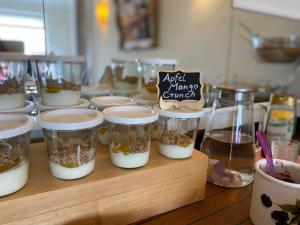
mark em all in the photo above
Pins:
pixel 137 22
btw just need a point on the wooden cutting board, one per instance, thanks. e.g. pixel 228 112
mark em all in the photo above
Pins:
pixel 109 195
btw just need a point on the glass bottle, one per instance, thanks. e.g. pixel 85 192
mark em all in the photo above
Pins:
pixel 229 138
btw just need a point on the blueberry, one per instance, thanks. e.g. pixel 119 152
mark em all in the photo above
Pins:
pixel 280 216
pixel 266 201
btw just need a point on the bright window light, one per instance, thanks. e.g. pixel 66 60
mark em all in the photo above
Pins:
pixel 29 30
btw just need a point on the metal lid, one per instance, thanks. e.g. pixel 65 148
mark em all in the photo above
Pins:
pixel 130 114
pixel 283 99
pixel 12 125
pixel 70 119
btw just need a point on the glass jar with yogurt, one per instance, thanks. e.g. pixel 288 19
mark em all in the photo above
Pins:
pixel 70 136
pixel 13 70
pixel 177 132
pixel 148 69
pixel 130 130
pixel 103 102
pixel 14 150
pixel 125 76
pixel 59 79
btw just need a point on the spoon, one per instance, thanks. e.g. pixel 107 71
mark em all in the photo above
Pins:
pixel 265 146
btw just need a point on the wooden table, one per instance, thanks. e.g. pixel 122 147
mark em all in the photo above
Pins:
pixel 222 206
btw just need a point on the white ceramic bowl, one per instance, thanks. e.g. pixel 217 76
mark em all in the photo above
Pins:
pixel 272 199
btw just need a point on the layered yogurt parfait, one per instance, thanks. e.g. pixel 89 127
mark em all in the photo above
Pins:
pixel 148 69
pixel 14 149
pixel 70 135
pixel 13 68
pixel 59 79
pixel 60 93
pixel 130 130
pixel 177 132
pixel 103 102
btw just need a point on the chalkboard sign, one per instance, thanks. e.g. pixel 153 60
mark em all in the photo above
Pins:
pixel 179 86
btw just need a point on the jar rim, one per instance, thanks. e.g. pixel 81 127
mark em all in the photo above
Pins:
pixel 181 114
pixel 26 125
pixel 107 101
pixel 70 119
pixel 130 115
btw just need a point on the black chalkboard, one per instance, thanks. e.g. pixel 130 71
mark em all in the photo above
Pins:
pixel 179 86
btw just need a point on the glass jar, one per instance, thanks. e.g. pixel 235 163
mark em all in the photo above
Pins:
pixel 125 76
pixel 177 132
pixel 70 136
pixel 281 116
pixel 130 130
pixel 100 103
pixel 229 138
pixel 59 79
pixel 148 69
pixel 13 70
pixel 14 151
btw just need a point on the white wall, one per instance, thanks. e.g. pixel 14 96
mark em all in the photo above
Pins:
pixel 60 21
pixel 242 59
pixel 61 27
pixel 193 31
pixel 197 32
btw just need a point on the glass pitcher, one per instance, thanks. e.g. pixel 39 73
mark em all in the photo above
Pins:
pixel 229 139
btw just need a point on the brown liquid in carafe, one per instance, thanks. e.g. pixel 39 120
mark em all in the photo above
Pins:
pixel 236 153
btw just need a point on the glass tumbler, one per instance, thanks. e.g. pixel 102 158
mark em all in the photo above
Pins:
pixel 130 130
pixel 286 149
pixel 229 138
pixel 59 79
pixel 177 132
pixel 148 69
pixel 13 70
pixel 125 76
pixel 14 152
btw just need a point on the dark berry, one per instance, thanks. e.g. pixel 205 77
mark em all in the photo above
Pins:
pixel 266 201
pixel 280 216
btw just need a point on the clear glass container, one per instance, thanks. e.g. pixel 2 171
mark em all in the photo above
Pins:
pixel 177 132
pixel 281 116
pixel 148 69
pixel 59 79
pixel 103 102
pixel 229 139
pixel 125 76
pixel 130 130
pixel 70 136
pixel 14 152
pixel 13 70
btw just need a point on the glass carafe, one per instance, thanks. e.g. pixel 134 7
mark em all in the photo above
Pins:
pixel 229 139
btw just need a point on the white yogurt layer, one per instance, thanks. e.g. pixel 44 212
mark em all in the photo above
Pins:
pixel 103 138
pixel 145 94
pixel 132 160
pixel 61 98
pixel 14 179
pixel 66 173
pixel 12 101
pixel 175 151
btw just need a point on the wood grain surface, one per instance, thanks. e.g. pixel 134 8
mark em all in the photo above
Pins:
pixel 109 195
